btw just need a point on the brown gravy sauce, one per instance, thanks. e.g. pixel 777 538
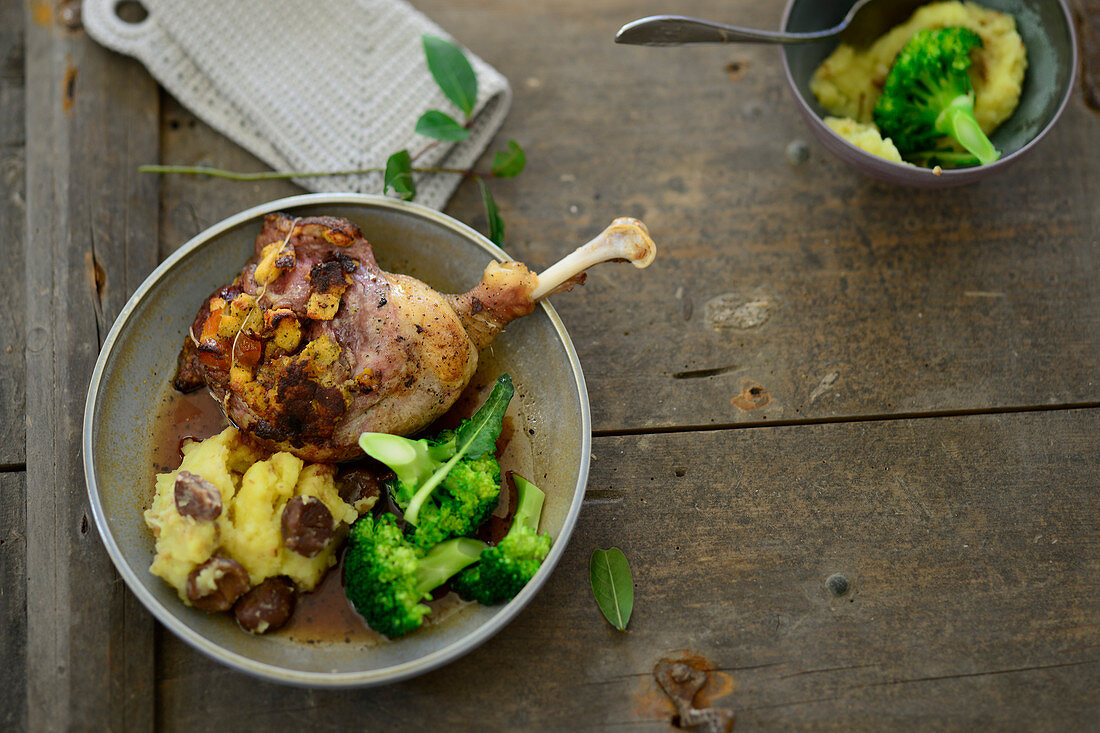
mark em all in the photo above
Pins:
pixel 325 615
pixel 181 416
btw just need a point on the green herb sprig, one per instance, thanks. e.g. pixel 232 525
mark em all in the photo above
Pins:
pixel 455 77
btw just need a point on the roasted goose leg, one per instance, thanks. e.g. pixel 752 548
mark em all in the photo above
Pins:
pixel 313 344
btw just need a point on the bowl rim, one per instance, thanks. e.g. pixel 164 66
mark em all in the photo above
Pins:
pixel 947 176
pixel 275 673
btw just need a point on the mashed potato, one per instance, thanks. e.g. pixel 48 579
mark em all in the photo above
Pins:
pixel 849 81
pixel 864 136
pixel 254 492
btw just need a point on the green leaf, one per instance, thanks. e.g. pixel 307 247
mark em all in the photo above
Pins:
pixel 480 432
pixel 612 585
pixel 452 72
pixel 476 436
pixel 398 176
pixel 496 224
pixel 509 163
pixel 439 126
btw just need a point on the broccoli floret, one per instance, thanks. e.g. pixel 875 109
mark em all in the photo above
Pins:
pixel 464 500
pixel 503 570
pixel 386 577
pixel 928 95
pixel 448 485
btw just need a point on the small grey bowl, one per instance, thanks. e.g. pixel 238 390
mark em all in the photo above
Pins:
pixel 550 444
pixel 1047 31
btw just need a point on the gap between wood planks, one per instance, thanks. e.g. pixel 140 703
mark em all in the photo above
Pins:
pixel 1012 670
pixel 937 678
pixel 20 467
pixel 1007 410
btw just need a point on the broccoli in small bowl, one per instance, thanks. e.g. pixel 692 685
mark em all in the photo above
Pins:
pixel 949 96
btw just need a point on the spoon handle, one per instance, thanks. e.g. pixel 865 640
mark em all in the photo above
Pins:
pixel 676 30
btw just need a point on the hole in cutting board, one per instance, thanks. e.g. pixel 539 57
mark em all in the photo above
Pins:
pixel 131 11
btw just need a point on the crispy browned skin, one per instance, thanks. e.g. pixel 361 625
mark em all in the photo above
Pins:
pixel 313 344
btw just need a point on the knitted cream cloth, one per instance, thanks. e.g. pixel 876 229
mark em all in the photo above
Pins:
pixel 308 86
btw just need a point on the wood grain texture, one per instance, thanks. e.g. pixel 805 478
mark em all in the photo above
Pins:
pixel 1087 16
pixel 90 240
pixel 13 478
pixel 13 600
pixel 838 295
pixel 971 547
pixel 12 214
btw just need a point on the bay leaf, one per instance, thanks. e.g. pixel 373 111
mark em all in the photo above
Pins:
pixel 452 72
pixel 612 585
pixel 398 176
pixel 509 163
pixel 439 126
pixel 496 224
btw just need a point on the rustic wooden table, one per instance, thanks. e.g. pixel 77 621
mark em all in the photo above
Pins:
pixel 820 376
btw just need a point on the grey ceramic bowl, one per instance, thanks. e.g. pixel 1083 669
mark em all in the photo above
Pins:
pixel 551 439
pixel 1047 31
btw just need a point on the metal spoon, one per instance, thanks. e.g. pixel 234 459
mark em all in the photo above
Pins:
pixel 866 21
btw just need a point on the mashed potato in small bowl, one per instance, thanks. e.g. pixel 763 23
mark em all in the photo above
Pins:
pixel 1019 95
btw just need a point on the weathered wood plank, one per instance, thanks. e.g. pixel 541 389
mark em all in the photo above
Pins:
pixel 1087 15
pixel 13 600
pixel 13 479
pixel 12 167
pixel 971 547
pixel 91 237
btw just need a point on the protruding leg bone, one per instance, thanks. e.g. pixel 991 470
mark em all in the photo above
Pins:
pixel 626 240
pixel 508 290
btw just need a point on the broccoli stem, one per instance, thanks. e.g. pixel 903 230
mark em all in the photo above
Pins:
pixel 957 120
pixel 529 499
pixel 411 460
pixel 928 158
pixel 444 561
pixel 440 452
pixel 412 511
